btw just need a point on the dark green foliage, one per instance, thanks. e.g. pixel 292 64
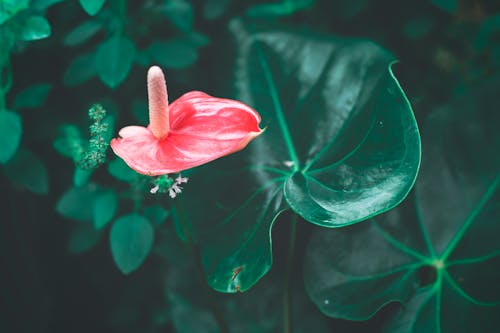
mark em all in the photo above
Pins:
pixel 437 256
pixel 340 146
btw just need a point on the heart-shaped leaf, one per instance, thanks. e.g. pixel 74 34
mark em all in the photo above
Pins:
pixel 131 241
pixel 341 144
pixel 438 257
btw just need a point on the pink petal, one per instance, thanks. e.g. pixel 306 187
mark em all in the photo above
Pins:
pixel 202 129
pixel 139 148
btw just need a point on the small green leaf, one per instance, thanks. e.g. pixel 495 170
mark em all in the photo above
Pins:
pixel 449 6
pixel 10 134
pixel 9 8
pixel 121 171
pixel 104 208
pixel 80 70
pixel 174 53
pixel 82 33
pixel 82 238
pixel 32 97
pixel 92 7
pixel 77 203
pixel 114 59
pixel 25 169
pixel 131 242
pixel 35 27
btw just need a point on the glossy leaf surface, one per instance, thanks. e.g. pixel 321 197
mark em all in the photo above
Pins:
pixel 10 134
pixel 131 240
pixel 438 257
pixel 340 145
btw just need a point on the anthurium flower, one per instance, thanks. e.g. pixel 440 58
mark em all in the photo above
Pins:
pixel 195 129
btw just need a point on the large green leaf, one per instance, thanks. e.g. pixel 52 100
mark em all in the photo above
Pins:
pixel 439 257
pixel 10 134
pixel 113 60
pixel 341 144
pixel 131 240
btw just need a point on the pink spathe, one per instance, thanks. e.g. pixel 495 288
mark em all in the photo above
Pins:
pixel 194 130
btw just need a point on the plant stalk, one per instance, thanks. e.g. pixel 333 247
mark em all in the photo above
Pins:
pixel 287 286
pixel 199 270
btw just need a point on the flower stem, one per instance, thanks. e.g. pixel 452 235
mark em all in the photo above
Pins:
pixel 287 293
pixel 199 269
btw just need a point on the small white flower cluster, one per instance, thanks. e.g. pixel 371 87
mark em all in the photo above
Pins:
pixel 172 190
pixel 175 188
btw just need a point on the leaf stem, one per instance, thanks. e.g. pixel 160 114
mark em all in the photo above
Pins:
pixel 199 269
pixel 287 296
